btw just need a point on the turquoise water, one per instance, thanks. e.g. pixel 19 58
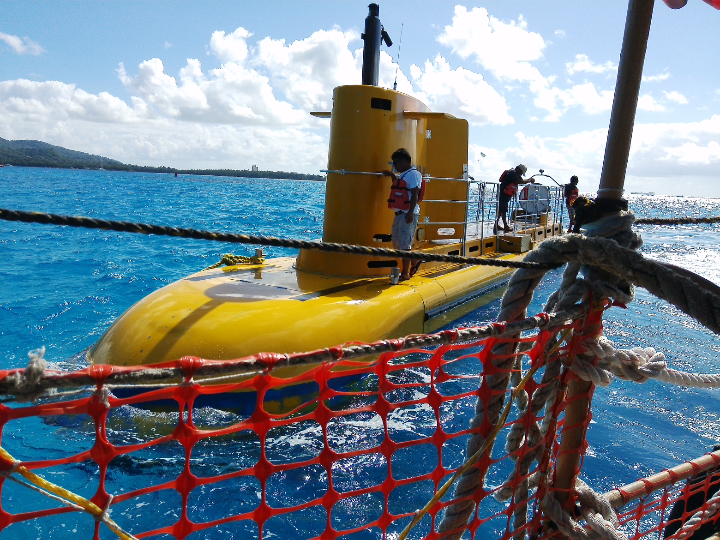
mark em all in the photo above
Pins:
pixel 62 288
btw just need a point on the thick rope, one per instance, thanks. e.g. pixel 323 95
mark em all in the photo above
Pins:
pixel 234 260
pixel 26 383
pixel 469 462
pixel 142 228
pixel 530 444
pixel 68 498
pixel 574 248
pixel 636 364
pixel 677 221
pixel 29 386
pixel 609 271
pixel 596 510
pixel 709 509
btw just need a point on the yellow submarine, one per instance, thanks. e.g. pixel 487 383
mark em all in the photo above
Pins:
pixel 322 299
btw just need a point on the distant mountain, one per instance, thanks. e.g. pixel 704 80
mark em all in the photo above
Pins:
pixel 40 154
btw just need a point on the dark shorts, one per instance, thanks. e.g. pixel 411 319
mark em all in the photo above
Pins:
pixel 503 204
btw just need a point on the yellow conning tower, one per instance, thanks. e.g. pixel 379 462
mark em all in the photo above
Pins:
pixel 367 125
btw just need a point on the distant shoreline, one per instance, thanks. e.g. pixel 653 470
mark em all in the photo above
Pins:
pixel 257 175
pixel 44 155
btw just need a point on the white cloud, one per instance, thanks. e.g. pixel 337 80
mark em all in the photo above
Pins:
pixel 677 97
pixel 230 47
pixel 693 143
pixel 307 71
pixel 460 92
pixel 250 109
pixel 583 64
pixel 23 45
pixel 647 103
pixel 655 78
pixel 167 45
pixel 587 97
pixel 505 49
pixel 691 153
pixel 664 157
pixel 579 154
pixel 53 101
pixel 232 94
pixel 102 124
pixel 560 33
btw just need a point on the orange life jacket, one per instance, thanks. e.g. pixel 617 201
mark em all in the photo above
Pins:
pixel 400 195
pixel 510 189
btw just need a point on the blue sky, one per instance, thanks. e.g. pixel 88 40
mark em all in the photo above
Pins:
pixel 229 84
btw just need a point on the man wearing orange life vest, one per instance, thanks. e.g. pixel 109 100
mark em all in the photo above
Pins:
pixel 404 196
pixel 571 193
pixel 509 181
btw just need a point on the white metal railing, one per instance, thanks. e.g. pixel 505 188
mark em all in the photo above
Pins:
pixel 482 204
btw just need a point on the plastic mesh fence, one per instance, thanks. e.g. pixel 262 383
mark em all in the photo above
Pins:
pixel 663 510
pixel 349 449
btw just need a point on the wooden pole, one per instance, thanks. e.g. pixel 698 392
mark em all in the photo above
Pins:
pixel 627 90
pixel 575 423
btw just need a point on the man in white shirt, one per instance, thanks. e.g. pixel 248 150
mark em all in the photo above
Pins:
pixel 403 200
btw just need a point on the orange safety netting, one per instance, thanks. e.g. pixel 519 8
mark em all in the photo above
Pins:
pixel 659 505
pixel 352 455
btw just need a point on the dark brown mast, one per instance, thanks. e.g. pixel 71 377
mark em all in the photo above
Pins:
pixel 612 180
pixel 627 90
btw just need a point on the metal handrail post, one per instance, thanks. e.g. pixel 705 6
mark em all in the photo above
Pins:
pixel 481 210
pixel 467 204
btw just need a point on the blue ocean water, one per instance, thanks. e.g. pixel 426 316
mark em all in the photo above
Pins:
pixel 62 288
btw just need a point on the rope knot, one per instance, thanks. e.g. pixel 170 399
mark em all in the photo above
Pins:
pixel 451 335
pixel 105 515
pixel 14 464
pixel 26 382
pixel 594 508
pixel 499 327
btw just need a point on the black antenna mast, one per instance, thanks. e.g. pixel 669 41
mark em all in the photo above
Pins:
pixel 398 58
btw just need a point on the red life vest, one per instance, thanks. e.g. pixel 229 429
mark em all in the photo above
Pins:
pixel 573 195
pixel 510 189
pixel 400 195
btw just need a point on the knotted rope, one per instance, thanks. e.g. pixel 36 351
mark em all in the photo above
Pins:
pixel 578 250
pixel 636 364
pixel 25 385
pixel 610 267
pixel 596 511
